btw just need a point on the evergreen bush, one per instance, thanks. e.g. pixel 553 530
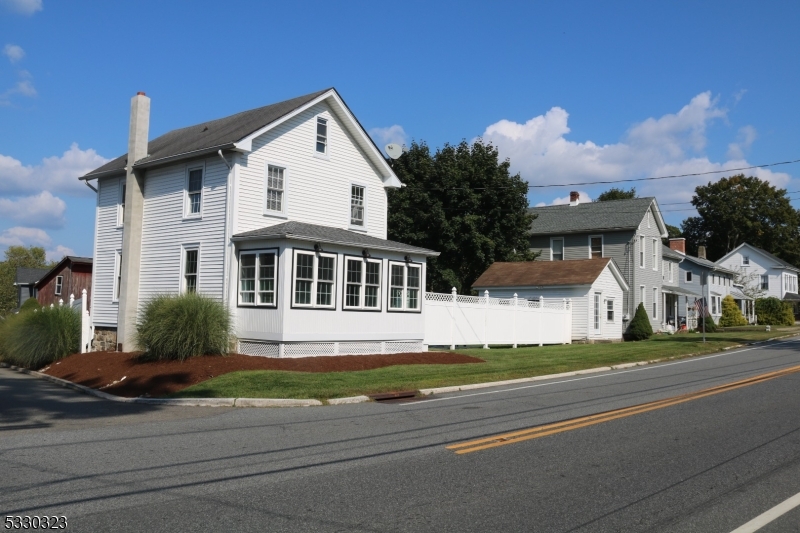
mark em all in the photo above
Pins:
pixel 176 327
pixel 29 305
pixel 710 326
pixel 640 328
pixel 731 314
pixel 34 339
pixel 771 311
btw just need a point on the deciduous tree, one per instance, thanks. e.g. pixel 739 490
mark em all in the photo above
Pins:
pixel 615 193
pixel 17 257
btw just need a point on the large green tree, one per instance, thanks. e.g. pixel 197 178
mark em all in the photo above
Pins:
pixel 464 203
pixel 743 209
pixel 16 257
pixel 615 193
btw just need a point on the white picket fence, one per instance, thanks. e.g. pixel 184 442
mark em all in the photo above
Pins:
pixel 87 330
pixel 452 319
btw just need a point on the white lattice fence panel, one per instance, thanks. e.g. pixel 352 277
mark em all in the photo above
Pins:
pixel 359 348
pixel 404 347
pixel 309 349
pixel 263 349
pixel 438 297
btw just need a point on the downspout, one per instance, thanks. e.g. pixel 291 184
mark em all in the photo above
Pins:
pixel 89 185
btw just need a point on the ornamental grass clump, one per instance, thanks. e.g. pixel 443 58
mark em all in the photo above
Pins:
pixel 33 339
pixel 731 314
pixel 640 328
pixel 175 327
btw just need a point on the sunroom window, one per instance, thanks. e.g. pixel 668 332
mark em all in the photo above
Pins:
pixel 404 286
pixel 257 278
pixel 314 279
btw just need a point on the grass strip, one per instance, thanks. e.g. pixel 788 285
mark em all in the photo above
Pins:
pixel 501 364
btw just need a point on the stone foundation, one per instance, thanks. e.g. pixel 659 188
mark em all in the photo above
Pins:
pixel 105 340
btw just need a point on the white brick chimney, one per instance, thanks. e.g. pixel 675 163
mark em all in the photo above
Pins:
pixel 574 198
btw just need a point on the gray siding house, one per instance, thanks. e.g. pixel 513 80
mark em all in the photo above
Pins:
pixel 25 282
pixel 628 231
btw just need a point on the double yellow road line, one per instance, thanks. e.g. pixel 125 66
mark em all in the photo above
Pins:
pixel 576 423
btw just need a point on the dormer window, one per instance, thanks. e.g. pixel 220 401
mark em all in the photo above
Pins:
pixel 322 135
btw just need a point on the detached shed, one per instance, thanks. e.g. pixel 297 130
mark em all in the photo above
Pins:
pixel 69 277
pixel 595 286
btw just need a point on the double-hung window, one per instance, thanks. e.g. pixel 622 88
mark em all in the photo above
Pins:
pixel 404 286
pixel 257 277
pixel 745 260
pixel 655 254
pixel 655 302
pixel 610 310
pixel 194 192
pixel 641 251
pixel 314 279
pixel 357 193
pixel 595 247
pixel 557 249
pixel 59 284
pixel 190 269
pixel 597 311
pixel 117 275
pixel 670 271
pixel 688 276
pixel 362 284
pixel 121 210
pixel 322 135
pixel 765 282
pixel 275 188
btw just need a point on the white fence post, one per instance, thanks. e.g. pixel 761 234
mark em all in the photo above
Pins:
pixel 565 308
pixel 485 320
pixel 71 300
pixel 515 302
pixel 453 320
pixel 541 318
pixel 61 302
pixel 86 325
pixel 568 321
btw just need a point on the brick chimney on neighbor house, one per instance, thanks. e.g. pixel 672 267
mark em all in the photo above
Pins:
pixel 701 252
pixel 132 223
pixel 574 198
pixel 679 245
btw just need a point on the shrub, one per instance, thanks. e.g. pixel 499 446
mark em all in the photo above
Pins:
pixel 731 314
pixel 772 311
pixel 640 328
pixel 181 326
pixel 37 338
pixel 710 326
pixel 29 305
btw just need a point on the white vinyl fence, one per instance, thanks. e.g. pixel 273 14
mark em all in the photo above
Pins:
pixel 87 330
pixel 452 319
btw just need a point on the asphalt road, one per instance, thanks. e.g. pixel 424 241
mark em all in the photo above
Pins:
pixel 706 465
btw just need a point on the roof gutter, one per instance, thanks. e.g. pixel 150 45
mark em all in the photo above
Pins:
pixel 185 155
pixel 306 238
pixel 103 174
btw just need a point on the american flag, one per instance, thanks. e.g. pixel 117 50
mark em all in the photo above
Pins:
pixel 699 304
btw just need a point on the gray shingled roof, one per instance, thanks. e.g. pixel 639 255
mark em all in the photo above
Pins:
pixel 668 252
pixel 708 264
pixel 324 234
pixel 29 276
pixel 218 133
pixel 590 216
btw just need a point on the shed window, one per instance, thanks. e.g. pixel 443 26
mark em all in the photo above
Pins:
pixel 404 286
pixel 314 279
pixel 322 135
pixel 257 274
pixel 194 191
pixel 363 284
pixel 275 188
pixel 59 284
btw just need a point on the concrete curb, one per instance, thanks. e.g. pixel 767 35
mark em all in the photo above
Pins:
pixel 274 402
pixel 350 399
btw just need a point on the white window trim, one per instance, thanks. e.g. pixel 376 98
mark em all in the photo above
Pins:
pixel 686 276
pixel 745 260
pixel 315 273
pixel 182 279
pixel 186 209
pixel 670 272
pixel 643 296
pixel 597 310
pixel 562 247
pixel 117 275
pixel 655 304
pixel 642 255
pixel 328 121
pixel 59 286
pixel 610 301
pixel 255 302
pixel 602 245
pixel 362 298
pixel 120 203
pixel 648 218
pixel 655 254
pixel 355 227
pixel 421 288
pixel 270 212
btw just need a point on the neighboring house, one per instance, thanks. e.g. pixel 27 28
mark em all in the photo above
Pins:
pixel 595 286
pixel 69 277
pixel 628 231
pixel 25 282
pixel 280 212
pixel 708 280
pixel 774 276
pixel 676 298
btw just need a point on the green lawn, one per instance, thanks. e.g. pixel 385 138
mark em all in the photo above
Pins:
pixel 501 364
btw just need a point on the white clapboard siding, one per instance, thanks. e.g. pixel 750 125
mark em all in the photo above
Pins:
pixel 108 239
pixel 317 188
pixel 608 286
pixel 165 230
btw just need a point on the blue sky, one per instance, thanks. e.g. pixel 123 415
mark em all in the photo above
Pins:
pixel 569 91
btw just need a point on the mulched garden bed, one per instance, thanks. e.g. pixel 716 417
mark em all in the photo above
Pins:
pixel 105 370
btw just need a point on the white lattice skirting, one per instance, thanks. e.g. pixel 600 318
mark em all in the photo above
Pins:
pixel 313 349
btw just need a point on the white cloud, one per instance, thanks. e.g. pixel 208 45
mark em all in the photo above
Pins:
pixel 43 210
pixel 393 134
pixel 55 174
pixel 671 144
pixel 13 52
pixel 584 198
pixel 24 87
pixel 58 253
pixel 22 236
pixel 24 7
pixel 747 135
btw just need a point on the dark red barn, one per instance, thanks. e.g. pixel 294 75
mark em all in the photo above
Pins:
pixel 70 276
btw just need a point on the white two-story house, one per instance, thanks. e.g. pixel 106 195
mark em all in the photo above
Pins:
pixel 763 271
pixel 280 212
